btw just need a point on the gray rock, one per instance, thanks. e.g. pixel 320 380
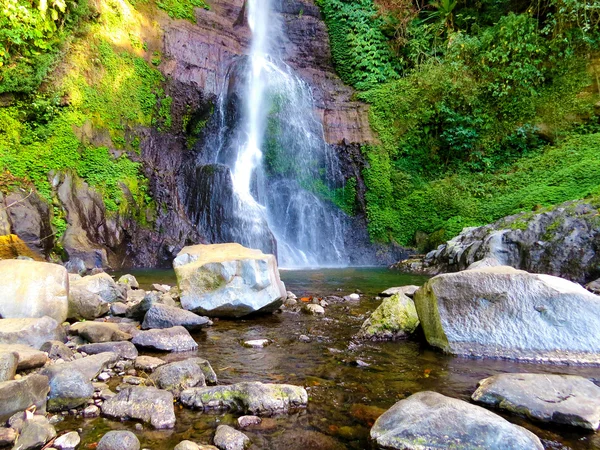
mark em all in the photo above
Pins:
pixel 594 286
pixel 7 436
pixel 32 332
pixel 257 343
pixel 148 363
pixel 67 441
pixel 148 404
pixel 432 420
pixel 129 281
pixel 8 366
pixel 248 421
pixel 408 290
pixel 206 368
pixel 227 438
pixel 57 350
pixel 90 366
pixel 187 445
pixel 100 284
pixel 507 313
pixel 139 310
pixel 177 376
pixel 35 433
pixel 561 399
pixel 84 304
pixel 313 308
pixel 253 397
pixel 92 411
pixel 28 357
pixel 164 316
pixel 175 339
pixel 118 309
pixel 69 389
pixel 33 289
pixel 95 332
pixel 395 318
pixel 124 349
pixel 490 261
pixel 119 440
pixel 18 395
pixel 228 280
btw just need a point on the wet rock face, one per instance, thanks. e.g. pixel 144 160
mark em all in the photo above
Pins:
pixel 432 420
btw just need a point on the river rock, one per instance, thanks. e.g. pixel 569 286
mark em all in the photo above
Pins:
pixel 84 304
pixel 139 310
pixel 90 366
pixel 148 363
pixel 395 318
pixel 28 357
pixel 148 404
pixel 189 445
pixel 96 332
pixel 228 280
pixel 8 365
pixel 7 436
pixel 431 420
pixel 32 332
pixel 57 350
pixel 248 421
pixel 252 397
pixel 33 289
pixel 129 281
pixel 209 374
pixel 124 349
pixel 69 389
pixel 18 395
pixel 508 313
pixel 227 438
pixel 101 284
pixel 119 440
pixel 408 290
pixel 561 399
pixel 164 316
pixel 314 309
pixel 35 433
pixel 177 376
pixel 67 441
pixel 175 339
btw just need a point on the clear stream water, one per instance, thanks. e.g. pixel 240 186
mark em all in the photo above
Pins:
pixel 344 398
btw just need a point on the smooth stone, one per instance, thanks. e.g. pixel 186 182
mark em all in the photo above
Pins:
pixel 118 309
pixel 124 349
pixel 164 288
pixel 33 289
pixel 354 297
pixel 164 316
pixel 431 420
pixel 313 308
pixel 8 366
pixel 91 411
pixel 227 438
pixel 189 445
pixel 561 399
pixel 28 357
pixel 31 332
pixel 96 332
pixel 84 304
pixel 90 366
pixel 228 280
pixel 395 318
pixel 253 397
pixel 101 284
pixel 303 338
pixel 247 421
pixel 139 310
pixel 69 389
pixel 148 404
pixel 175 339
pixel 119 440
pixel 257 343
pixel 68 441
pixel 57 350
pixel 177 376
pixel 18 395
pixel 34 434
pixel 148 363
pixel 129 280
pixel 408 290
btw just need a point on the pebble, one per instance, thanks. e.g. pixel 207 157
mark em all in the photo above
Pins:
pixel 246 421
pixel 68 441
pixel 91 411
pixel 304 338
pixel 354 297
pixel 103 376
pixel 257 343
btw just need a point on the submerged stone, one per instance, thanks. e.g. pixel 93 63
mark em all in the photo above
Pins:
pixel 227 438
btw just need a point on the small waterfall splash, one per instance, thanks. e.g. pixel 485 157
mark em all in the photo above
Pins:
pixel 266 175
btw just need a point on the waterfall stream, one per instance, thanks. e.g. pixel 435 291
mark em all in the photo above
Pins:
pixel 266 175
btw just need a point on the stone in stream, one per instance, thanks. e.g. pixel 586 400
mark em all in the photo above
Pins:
pixel 128 281
pixel 177 376
pixel 101 284
pixel 248 421
pixel 395 318
pixel 32 332
pixel 119 440
pixel 84 304
pixel 8 365
pixel 148 404
pixel 408 290
pixel 164 316
pixel 189 445
pixel 28 357
pixel 67 441
pixel 57 350
pixel 18 395
pixel 90 366
pixel 257 343
pixel 124 349
pixel 252 397
pixel 118 309
pixel 561 399
pixel 314 309
pixel 227 438
pixel 35 433
pixel 69 389
pixel 33 289
pixel 95 332
pixel 508 313
pixel 431 420
pixel 175 339
pixel 139 310
pixel 148 363
pixel 228 280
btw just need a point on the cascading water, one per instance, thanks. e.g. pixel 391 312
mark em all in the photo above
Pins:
pixel 265 172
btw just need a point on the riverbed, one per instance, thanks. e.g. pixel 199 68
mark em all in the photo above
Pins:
pixel 349 383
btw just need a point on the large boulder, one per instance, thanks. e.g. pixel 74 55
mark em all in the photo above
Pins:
pixel 395 318
pixel 17 395
pixel 148 404
pixel 247 397
pixel 32 332
pixel 561 399
pixel 228 280
pixel 101 284
pixel 431 420
pixel 507 313
pixel 164 316
pixel 84 304
pixel 33 289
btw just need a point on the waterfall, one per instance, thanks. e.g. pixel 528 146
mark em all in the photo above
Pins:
pixel 266 175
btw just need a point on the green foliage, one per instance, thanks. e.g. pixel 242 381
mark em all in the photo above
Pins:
pixel 181 9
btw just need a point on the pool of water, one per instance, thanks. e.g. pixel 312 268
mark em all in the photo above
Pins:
pixel 345 398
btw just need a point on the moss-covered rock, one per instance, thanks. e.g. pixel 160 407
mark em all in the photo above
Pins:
pixel 395 318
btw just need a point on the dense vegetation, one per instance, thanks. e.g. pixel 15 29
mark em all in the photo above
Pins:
pixel 482 108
